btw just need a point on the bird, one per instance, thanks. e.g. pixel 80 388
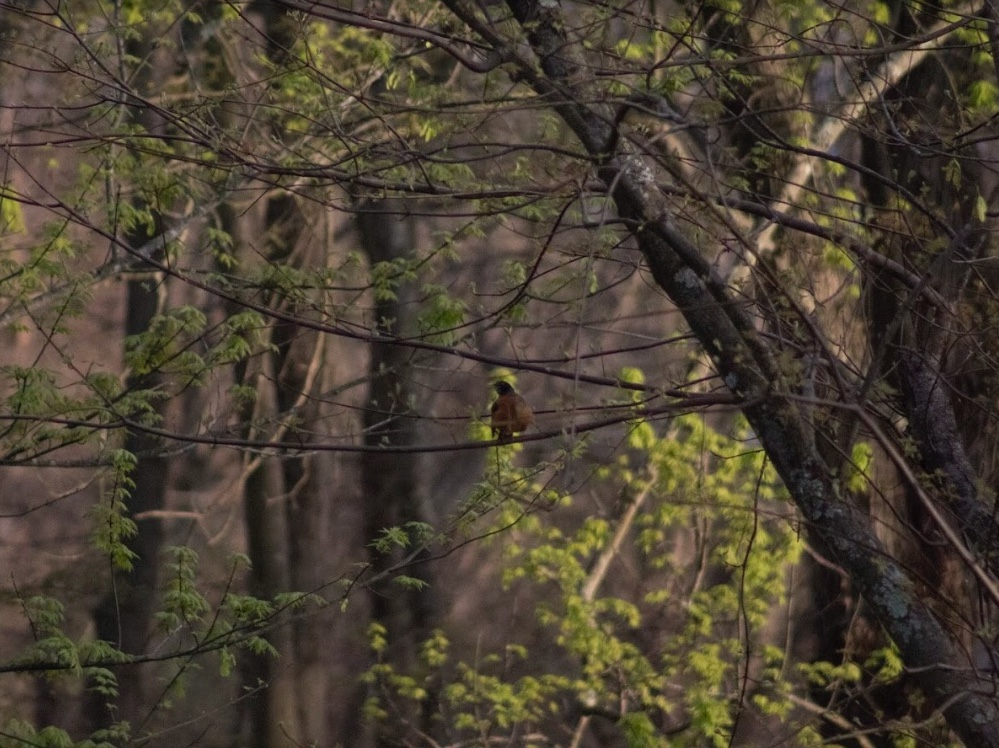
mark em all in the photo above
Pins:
pixel 510 413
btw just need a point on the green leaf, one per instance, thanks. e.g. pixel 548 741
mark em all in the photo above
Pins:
pixel 981 209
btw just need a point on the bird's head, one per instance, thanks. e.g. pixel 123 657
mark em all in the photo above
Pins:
pixel 503 388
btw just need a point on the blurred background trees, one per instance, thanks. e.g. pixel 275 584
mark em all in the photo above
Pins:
pixel 261 261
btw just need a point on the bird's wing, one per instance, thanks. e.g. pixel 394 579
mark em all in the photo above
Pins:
pixel 525 416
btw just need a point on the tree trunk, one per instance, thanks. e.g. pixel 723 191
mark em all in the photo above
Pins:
pixel 391 486
pixel 124 615
pixel 268 715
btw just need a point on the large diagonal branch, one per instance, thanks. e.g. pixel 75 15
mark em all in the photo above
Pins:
pixel 748 367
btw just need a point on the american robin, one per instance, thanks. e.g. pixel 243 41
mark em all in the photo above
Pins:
pixel 511 413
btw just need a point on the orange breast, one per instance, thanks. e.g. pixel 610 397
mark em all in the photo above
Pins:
pixel 510 415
